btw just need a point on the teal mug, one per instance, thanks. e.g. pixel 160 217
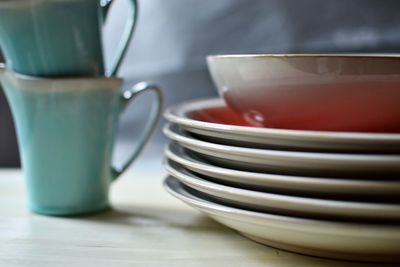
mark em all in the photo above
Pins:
pixel 54 38
pixel 66 130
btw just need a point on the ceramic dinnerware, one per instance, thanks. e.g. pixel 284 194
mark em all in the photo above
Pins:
pixel 66 129
pixel 328 92
pixel 59 38
pixel 212 120
pixel 339 240
pixel 289 162
pixel 341 188
pixel 287 204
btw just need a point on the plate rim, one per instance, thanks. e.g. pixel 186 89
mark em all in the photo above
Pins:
pixel 228 211
pixel 177 154
pixel 359 208
pixel 243 221
pixel 181 137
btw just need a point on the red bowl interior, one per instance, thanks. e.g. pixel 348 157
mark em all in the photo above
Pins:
pixel 224 115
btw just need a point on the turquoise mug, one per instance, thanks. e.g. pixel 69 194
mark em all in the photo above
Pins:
pixel 54 38
pixel 66 130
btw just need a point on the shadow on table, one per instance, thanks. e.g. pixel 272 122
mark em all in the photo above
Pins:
pixel 148 217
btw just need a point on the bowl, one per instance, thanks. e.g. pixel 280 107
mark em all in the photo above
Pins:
pixel 326 92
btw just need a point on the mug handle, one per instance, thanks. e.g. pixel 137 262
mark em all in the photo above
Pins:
pixel 126 98
pixel 126 35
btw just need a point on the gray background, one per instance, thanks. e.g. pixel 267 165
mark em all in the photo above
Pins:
pixel 173 37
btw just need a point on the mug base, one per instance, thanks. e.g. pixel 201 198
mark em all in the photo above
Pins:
pixel 79 211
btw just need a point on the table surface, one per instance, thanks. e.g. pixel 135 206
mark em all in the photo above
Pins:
pixel 146 227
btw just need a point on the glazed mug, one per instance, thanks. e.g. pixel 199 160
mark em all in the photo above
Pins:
pixel 66 130
pixel 51 38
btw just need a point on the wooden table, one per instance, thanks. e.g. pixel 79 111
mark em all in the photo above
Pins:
pixel 147 227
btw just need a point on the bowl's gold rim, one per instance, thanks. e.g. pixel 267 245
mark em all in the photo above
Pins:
pixel 343 55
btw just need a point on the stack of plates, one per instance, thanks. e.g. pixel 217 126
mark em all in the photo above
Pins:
pixel 329 194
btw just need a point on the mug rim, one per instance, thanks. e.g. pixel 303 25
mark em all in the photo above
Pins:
pixel 26 77
pixel 62 84
pixel 18 3
pixel 306 55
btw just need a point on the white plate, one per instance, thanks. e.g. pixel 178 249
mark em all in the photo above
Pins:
pixel 286 204
pixel 288 162
pixel 278 138
pixel 315 186
pixel 339 240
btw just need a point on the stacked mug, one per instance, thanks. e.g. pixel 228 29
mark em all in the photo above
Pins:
pixel 65 104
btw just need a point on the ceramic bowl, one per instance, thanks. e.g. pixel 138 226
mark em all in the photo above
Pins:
pixel 331 92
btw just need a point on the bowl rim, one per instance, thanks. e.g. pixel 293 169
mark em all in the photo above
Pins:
pixel 307 55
